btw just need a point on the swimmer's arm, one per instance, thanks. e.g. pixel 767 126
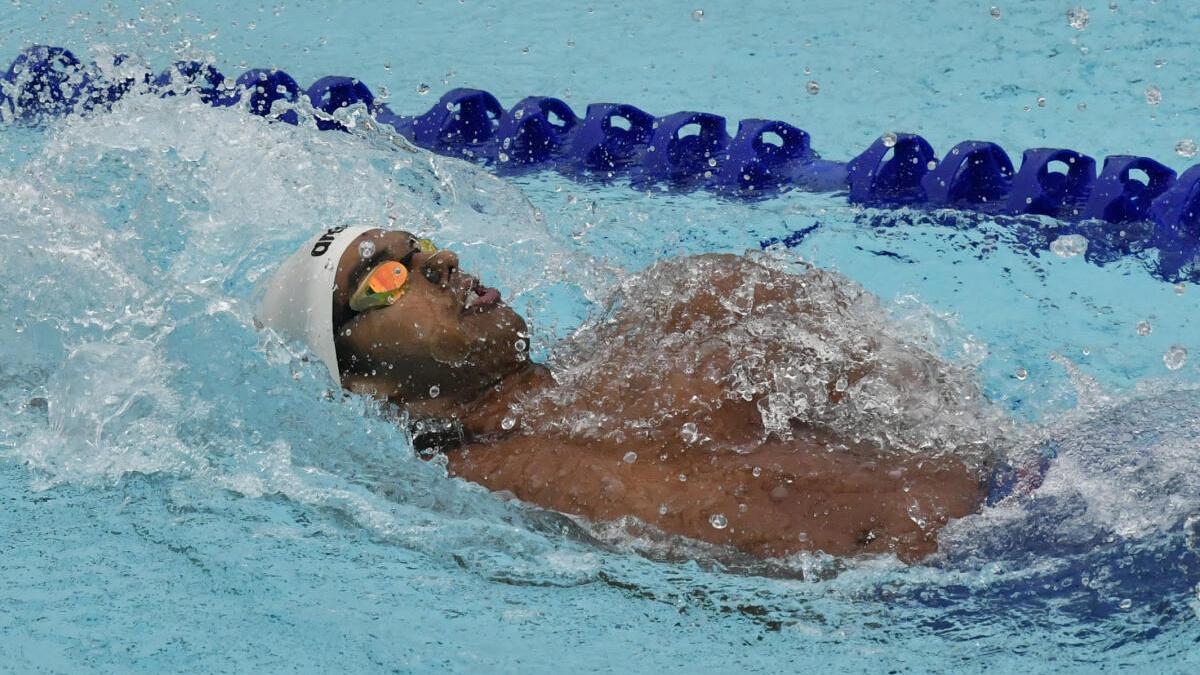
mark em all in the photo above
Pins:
pixel 799 500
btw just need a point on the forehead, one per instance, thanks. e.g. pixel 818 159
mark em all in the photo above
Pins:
pixel 380 243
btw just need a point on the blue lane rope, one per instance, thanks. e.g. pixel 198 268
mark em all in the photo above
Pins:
pixel 687 150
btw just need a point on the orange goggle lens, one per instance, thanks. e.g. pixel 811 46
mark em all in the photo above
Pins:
pixel 382 286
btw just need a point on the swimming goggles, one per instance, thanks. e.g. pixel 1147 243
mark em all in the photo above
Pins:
pixel 387 281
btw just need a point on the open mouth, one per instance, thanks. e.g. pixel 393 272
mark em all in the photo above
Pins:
pixel 479 298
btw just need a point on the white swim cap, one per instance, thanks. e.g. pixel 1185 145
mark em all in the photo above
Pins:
pixel 298 300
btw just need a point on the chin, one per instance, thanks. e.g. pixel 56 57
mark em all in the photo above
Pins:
pixel 501 326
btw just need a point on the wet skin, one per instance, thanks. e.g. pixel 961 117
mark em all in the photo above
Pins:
pixel 768 496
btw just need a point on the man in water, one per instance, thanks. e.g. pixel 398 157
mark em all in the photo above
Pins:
pixel 721 399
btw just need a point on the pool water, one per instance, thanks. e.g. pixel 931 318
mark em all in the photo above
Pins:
pixel 180 492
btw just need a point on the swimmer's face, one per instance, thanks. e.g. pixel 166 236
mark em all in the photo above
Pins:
pixel 428 337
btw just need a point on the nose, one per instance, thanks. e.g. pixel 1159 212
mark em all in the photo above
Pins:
pixel 439 266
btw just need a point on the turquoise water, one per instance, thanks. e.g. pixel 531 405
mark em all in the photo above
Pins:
pixel 179 492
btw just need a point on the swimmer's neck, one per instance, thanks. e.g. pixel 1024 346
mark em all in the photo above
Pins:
pixel 481 413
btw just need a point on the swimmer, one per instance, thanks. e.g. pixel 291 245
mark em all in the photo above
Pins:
pixel 646 420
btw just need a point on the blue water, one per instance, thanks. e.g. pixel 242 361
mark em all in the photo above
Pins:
pixel 179 492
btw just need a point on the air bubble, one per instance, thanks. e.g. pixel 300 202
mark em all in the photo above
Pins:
pixel 1082 106
pixel 689 433
pixel 697 15
pixel 995 11
pixel 422 89
pixel 366 249
pixel 931 164
pixel 718 521
pixel 434 391
pixel 630 457
pixel 1069 245
pixel 756 471
pixel 507 423
pixel 841 384
pixel 662 509
pixel 1175 357
pixel 520 345
pixel 1143 328
pixel 1126 603
pixel 1186 148
pixel 1041 101
pixel 1077 18
pixel 1180 288
pixel 1021 374
pixel 1153 95
pixel 812 87
pixel 889 139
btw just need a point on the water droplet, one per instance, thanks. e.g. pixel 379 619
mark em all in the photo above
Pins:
pixel 889 139
pixel 995 11
pixel 1112 6
pixel 662 509
pixel 683 478
pixel 1082 106
pixel 689 433
pixel 507 423
pixel 1159 63
pixel 366 249
pixel 757 471
pixel 812 87
pixel 697 15
pixel 1021 374
pixel 19 325
pixel 1069 245
pixel 503 157
pixel 718 521
pixel 1126 603
pixel 1077 18
pixel 1180 288
pixel 1143 328
pixel 1186 148
pixel 434 391
pixel 422 89
pixel 712 161
pixel 841 384
pixel 630 457
pixel 1153 95
pixel 520 345
pixel 1175 357
pixel 387 65
pixel 931 164
pixel 742 508
pixel 1041 101
pixel 570 43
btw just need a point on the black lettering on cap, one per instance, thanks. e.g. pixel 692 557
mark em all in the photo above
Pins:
pixel 322 246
